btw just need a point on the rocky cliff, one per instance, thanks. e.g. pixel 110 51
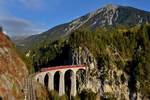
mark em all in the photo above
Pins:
pixel 82 55
pixel 12 70
pixel 110 82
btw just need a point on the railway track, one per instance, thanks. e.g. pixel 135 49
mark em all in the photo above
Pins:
pixel 29 90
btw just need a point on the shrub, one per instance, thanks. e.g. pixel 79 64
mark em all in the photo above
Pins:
pixel 87 95
pixel 53 95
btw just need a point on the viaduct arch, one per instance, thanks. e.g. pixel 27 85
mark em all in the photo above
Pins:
pixel 56 78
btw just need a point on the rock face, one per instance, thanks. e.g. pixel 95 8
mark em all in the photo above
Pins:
pixel 115 84
pixel 110 82
pixel 12 70
pixel 82 55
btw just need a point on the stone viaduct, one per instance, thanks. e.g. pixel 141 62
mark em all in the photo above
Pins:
pixel 60 73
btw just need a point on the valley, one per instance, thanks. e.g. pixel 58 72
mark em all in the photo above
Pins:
pixel 102 55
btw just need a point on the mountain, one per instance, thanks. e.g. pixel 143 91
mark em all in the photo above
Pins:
pixel 117 61
pixel 12 70
pixel 109 15
pixel 114 44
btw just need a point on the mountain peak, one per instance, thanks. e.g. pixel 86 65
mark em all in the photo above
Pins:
pixel 109 15
pixel 111 6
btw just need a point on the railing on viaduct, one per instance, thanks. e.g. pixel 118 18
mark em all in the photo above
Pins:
pixel 50 74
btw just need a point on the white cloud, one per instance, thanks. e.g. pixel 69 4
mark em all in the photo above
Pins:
pixel 18 26
pixel 14 21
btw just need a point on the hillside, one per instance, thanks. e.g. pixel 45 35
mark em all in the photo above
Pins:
pixel 119 57
pixel 12 70
pixel 114 43
pixel 107 16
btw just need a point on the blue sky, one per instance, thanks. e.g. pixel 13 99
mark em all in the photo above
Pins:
pixel 26 17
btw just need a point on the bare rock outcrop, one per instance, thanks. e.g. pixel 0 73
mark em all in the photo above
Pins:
pixel 12 71
pixel 109 81
pixel 89 79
